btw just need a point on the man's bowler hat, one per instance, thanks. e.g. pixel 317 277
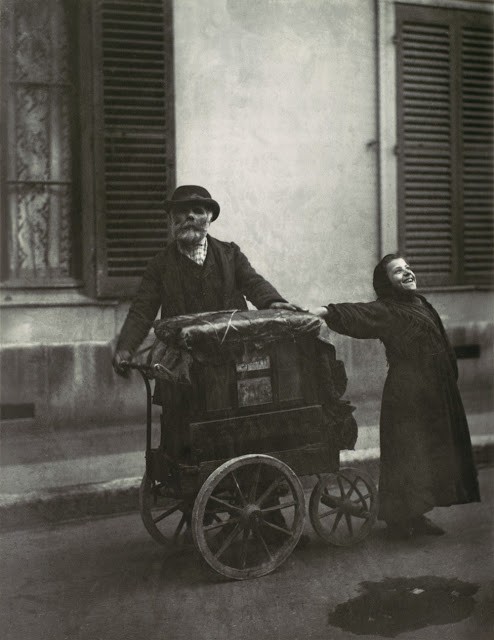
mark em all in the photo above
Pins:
pixel 192 194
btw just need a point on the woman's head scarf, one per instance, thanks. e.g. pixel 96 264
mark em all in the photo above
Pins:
pixel 380 281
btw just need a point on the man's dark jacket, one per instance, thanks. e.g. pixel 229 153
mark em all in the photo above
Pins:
pixel 162 286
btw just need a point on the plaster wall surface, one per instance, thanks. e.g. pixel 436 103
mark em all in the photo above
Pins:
pixel 275 115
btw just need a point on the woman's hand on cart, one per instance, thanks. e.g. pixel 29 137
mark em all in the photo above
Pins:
pixel 322 312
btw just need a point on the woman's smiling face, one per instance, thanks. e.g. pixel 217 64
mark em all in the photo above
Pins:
pixel 401 276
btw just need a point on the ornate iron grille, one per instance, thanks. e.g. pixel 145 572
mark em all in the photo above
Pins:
pixel 39 168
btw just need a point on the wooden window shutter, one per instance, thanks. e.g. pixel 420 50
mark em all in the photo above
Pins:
pixel 445 129
pixel 425 165
pixel 477 117
pixel 134 141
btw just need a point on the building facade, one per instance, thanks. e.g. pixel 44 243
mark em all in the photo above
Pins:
pixel 330 131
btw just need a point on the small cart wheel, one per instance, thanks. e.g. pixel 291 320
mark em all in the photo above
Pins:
pixel 165 517
pixel 248 516
pixel 343 507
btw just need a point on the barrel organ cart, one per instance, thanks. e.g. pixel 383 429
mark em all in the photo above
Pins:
pixel 251 402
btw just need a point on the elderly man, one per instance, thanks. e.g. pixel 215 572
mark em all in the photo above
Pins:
pixel 194 274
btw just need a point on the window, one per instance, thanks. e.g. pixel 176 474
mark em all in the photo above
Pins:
pixel 445 143
pixel 38 195
pixel 87 113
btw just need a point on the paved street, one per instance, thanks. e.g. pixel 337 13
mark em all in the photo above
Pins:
pixel 105 579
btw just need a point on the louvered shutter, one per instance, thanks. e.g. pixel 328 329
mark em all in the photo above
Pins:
pixel 425 145
pixel 134 146
pixel 477 117
pixel 444 115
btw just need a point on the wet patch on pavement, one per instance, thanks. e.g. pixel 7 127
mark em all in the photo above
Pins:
pixel 395 605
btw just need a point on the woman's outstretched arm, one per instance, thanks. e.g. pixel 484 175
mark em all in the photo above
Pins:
pixel 357 319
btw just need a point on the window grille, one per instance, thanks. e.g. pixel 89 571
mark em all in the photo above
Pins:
pixel 39 197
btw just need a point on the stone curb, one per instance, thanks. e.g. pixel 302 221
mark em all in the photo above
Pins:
pixel 68 503
pixel 57 505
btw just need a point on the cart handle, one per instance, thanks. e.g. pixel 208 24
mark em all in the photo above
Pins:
pixel 147 374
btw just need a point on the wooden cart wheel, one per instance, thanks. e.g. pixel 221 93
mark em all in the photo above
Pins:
pixel 343 506
pixel 248 516
pixel 165 517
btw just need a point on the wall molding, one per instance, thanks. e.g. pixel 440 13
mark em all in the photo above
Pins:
pixel 449 4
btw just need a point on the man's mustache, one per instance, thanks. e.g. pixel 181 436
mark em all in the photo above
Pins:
pixel 190 225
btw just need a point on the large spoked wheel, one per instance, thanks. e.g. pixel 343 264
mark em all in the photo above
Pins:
pixel 343 507
pixel 248 516
pixel 165 517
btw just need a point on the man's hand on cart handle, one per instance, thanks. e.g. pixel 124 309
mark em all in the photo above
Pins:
pixel 288 306
pixel 121 361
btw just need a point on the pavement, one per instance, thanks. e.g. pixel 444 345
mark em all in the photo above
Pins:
pixel 54 475
pixel 107 579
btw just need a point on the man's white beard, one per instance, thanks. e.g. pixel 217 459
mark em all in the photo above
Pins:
pixel 190 236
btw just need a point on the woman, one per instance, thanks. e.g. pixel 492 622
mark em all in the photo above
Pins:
pixel 426 453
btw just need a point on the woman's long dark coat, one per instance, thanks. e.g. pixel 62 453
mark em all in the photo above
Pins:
pixel 426 453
